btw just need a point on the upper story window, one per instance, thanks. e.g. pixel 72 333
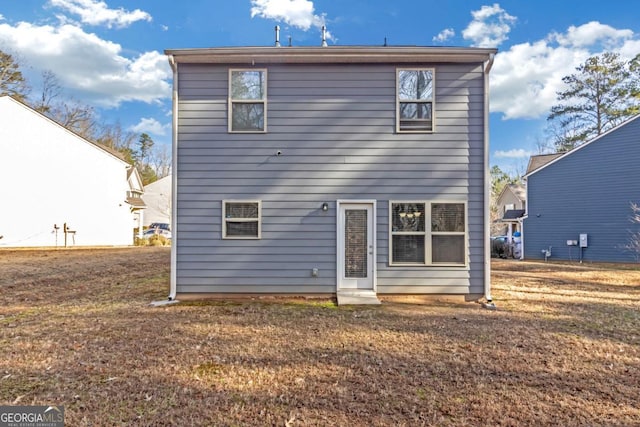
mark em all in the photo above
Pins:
pixel 248 100
pixel 415 98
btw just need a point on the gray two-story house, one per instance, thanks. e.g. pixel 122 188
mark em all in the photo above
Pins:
pixel 351 171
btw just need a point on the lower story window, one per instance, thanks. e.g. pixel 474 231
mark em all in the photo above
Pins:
pixel 241 219
pixel 428 233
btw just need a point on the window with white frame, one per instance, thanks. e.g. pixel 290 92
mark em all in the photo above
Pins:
pixel 247 100
pixel 428 233
pixel 241 219
pixel 414 101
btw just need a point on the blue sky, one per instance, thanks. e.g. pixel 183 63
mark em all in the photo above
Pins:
pixel 110 53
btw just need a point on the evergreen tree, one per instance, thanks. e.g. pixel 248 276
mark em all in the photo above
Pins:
pixel 12 82
pixel 601 95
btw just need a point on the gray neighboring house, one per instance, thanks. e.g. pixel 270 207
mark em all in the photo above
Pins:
pixel 585 192
pixel 351 171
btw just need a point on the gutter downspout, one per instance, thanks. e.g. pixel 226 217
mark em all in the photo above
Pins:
pixel 487 189
pixel 521 221
pixel 174 180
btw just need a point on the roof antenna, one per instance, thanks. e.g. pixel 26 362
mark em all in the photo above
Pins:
pixel 277 36
pixel 385 42
pixel 290 42
pixel 324 36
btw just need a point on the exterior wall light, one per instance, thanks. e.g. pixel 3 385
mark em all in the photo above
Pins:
pixel 325 206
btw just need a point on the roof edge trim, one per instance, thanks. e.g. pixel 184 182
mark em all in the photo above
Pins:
pixel 333 54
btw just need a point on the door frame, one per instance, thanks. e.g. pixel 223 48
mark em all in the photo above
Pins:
pixel 340 243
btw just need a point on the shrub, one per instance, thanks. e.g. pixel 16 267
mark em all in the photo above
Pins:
pixel 158 240
pixel 155 240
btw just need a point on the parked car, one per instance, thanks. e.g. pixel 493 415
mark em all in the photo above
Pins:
pixel 157 231
pixel 161 225
pixel 499 246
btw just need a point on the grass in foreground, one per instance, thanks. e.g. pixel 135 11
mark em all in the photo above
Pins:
pixel 76 330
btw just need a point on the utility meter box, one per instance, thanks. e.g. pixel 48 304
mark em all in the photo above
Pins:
pixel 583 241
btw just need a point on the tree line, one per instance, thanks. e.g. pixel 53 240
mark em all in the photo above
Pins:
pixel 153 161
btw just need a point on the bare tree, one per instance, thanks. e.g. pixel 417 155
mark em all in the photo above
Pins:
pixel 160 160
pixel 77 117
pixel 113 136
pixel 564 135
pixel 543 146
pixel 51 90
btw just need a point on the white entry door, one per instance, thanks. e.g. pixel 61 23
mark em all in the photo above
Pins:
pixel 356 245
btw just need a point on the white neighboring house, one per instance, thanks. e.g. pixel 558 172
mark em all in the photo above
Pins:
pixel 59 188
pixel 134 198
pixel 157 197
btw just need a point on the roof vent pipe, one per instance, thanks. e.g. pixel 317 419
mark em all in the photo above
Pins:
pixel 324 36
pixel 277 36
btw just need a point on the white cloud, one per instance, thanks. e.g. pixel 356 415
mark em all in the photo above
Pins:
pixel 444 35
pixel 526 78
pixel 297 13
pixel 516 153
pixel 590 34
pixel 90 66
pixel 94 12
pixel 489 27
pixel 152 126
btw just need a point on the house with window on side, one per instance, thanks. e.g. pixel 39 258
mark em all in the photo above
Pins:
pixel 512 202
pixel 579 202
pixel 359 172
pixel 59 189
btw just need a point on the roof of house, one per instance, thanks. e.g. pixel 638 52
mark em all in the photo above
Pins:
pixel 519 191
pixel 560 156
pixel 330 54
pixel 134 178
pixel 161 185
pixel 540 160
pixel 513 214
pixel 136 202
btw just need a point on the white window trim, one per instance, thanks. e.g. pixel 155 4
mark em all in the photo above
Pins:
pixel 433 99
pixel 428 234
pixel 259 220
pixel 231 101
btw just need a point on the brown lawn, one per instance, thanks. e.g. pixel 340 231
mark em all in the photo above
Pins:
pixel 76 329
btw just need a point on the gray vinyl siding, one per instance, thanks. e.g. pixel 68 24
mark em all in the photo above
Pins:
pixel 588 191
pixel 335 126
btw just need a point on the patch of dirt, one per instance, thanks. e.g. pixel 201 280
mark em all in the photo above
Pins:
pixel 76 329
